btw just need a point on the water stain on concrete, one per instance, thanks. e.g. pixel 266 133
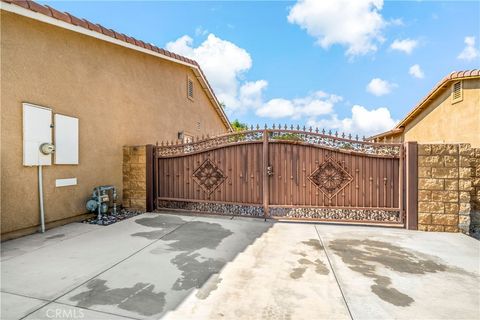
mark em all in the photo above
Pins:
pixel 150 235
pixel 197 235
pixel 362 256
pixel 208 287
pixel 194 272
pixel 195 268
pixel 161 221
pixel 297 273
pixel 320 268
pixel 56 236
pixel 140 298
pixel 314 243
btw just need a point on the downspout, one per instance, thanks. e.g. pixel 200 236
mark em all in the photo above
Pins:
pixel 40 195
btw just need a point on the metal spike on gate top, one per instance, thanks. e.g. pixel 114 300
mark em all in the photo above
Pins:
pixel 208 136
pixel 258 126
pixel 356 137
pixel 310 129
pixel 286 127
pixel 266 127
pixel 329 132
pixel 167 143
pixel 161 144
pixel 336 133
pixel 350 136
pixel 304 128
pixel 363 138
pixel 251 127
pixel 316 130
pixel 343 135
pixel 273 127
pixel 323 131
pixel 291 127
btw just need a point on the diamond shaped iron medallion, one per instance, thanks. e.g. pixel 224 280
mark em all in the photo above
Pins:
pixel 330 177
pixel 208 176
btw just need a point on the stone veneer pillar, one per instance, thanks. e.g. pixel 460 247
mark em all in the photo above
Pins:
pixel 445 187
pixel 134 177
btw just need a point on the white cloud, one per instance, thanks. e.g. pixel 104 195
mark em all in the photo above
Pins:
pixel 469 52
pixel 416 71
pixel 225 64
pixel 405 45
pixel 380 87
pixel 354 24
pixel 316 104
pixel 222 61
pixel 251 93
pixel 362 121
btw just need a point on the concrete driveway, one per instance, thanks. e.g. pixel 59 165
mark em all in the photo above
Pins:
pixel 192 267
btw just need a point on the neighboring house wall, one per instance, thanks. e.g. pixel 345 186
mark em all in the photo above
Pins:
pixel 444 122
pixel 121 97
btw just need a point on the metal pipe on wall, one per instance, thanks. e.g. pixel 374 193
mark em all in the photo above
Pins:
pixel 40 195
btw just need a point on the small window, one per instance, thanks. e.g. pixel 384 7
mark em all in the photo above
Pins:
pixel 457 92
pixel 190 88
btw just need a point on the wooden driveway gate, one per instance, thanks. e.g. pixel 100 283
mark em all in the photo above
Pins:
pixel 284 174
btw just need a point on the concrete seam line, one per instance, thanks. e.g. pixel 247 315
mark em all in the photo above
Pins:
pixel 334 273
pixel 24 296
pixel 47 245
pixel 103 271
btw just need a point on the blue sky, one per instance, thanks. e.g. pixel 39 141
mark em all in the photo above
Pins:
pixel 355 66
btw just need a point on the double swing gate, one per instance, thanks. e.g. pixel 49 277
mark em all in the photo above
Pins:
pixel 285 174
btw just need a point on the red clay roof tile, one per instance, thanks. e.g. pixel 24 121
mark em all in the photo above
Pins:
pixel 60 15
pixel 39 8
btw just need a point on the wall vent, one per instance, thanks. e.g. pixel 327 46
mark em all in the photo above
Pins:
pixel 457 92
pixel 190 88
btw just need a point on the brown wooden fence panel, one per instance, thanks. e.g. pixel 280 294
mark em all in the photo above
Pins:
pixel 306 175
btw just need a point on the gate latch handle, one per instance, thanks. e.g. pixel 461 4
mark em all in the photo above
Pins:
pixel 270 170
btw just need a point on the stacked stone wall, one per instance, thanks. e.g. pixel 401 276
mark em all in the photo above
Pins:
pixel 475 193
pixel 445 187
pixel 134 177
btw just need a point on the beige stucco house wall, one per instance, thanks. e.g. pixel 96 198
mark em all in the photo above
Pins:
pixel 120 96
pixel 438 118
pixel 443 121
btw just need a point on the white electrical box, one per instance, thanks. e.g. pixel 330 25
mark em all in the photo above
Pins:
pixel 37 130
pixel 66 139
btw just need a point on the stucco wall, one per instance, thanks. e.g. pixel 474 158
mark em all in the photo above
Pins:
pixel 121 97
pixel 444 122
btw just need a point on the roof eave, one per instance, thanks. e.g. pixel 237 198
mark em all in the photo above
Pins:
pixel 20 9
